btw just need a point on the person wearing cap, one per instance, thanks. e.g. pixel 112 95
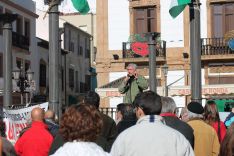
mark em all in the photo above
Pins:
pixel 206 139
pixel 150 136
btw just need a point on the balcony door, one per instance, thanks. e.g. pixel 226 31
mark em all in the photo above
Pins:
pixel 144 20
pixel 223 19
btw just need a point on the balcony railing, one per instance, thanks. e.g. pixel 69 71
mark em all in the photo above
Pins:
pixel 215 46
pixel 128 52
pixel 20 41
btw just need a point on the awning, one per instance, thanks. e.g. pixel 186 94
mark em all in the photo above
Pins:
pixel 224 89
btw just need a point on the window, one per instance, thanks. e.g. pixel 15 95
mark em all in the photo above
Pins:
pixel 81 50
pixel 82 87
pixel 19 24
pixel 1 64
pixel 87 82
pixel 71 78
pixel 1 23
pixel 78 44
pixel 223 15
pixel 77 82
pixel 71 46
pixel 42 79
pixel 27 65
pixel 145 20
pixel 19 62
pixel 27 28
pixel 87 51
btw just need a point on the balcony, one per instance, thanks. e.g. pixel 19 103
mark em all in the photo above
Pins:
pixel 20 41
pixel 215 46
pixel 128 52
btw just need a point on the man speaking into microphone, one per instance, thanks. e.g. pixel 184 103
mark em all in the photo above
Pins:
pixel 132 84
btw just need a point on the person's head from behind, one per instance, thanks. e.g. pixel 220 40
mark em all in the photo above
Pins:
pixel 168 105
pixel 195 110
pixel 119 111
pixel 127 111
pixel 131 69
pixel 227 146
pixel 37 114
pixel 49 114
pixel 92 98
pixel 81 122
pixel 184 114
pixel 147 103
pixel 211 113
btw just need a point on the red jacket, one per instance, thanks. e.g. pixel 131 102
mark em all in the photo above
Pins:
pixel 35 141
pixel 222 130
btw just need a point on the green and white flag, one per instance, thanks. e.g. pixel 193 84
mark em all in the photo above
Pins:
pixel 177 6
pixel 81 5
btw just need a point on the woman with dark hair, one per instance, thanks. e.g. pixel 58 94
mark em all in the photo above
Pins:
pixel 80 125
pixel 227 146
pixel 211 116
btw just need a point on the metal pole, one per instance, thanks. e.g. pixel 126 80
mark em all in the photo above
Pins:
pixel 54 57
pixel 165 86
pixel 7 20
pixel 195 50
pixel 61 31
pixel 152 62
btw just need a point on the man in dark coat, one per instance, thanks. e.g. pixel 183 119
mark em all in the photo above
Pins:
pixel 128 116
pixel 50 121
pixel 109 130
pixel 168 113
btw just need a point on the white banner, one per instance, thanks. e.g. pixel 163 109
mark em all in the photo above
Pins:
pixel 16 119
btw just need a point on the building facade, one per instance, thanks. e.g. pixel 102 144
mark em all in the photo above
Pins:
pixel 120 21
pixel 77 77
pixel 23 40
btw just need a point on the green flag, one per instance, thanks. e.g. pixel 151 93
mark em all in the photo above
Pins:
pixel 81 5
pixel 177 6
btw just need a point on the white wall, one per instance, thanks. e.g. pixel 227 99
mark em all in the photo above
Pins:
pixel 172 77
pixel 116 75
pixel 172 30
pixel 118 23
pixel 203 17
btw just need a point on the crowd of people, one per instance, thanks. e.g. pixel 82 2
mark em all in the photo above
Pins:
pixel 146 125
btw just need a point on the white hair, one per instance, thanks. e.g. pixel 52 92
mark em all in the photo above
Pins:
pixel 132 65
pixel 192 115
pixel 168 105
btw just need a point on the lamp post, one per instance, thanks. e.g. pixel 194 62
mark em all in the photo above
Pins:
pixel 53 54
pixel 165 71
pixel 195 50
pixel 23 79
pixel 7 20
pixel 152 60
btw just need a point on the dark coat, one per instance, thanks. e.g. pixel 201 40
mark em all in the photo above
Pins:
pixel 105 140
pixel 7 148
pixel 180 126
pixel 124 124
pixel 109 132
pixel 52 127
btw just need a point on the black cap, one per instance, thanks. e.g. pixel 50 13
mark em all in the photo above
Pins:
pixel 195 107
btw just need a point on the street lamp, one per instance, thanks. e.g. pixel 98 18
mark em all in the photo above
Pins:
pixel 23 79
pixel 165 71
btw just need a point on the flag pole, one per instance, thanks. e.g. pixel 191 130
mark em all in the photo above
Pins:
pixel 195 50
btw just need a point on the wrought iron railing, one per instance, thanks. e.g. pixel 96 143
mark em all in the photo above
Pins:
pixel 20 41
pixel 129 53
pixel 110 111
pixel 215 46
